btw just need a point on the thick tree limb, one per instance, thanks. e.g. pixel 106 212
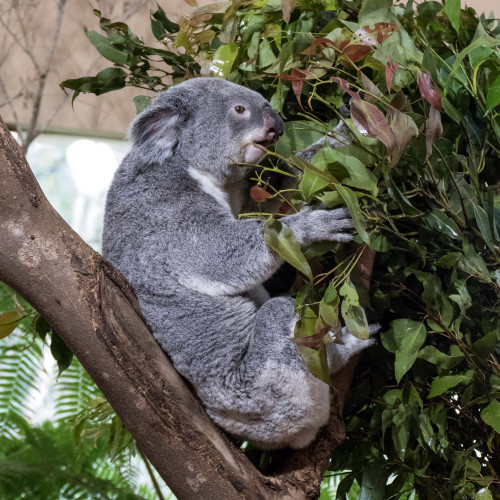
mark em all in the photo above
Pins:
pixel 96 313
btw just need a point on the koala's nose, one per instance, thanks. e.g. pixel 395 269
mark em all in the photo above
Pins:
pixel 273 124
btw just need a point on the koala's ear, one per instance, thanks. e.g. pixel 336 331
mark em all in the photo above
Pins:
pixel 156 132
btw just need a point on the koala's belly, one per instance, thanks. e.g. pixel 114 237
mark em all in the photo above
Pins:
pixel 200 333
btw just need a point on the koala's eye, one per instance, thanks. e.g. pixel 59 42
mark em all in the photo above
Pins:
pixel 239 109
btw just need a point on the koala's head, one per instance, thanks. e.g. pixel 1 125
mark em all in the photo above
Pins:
pixel 214 124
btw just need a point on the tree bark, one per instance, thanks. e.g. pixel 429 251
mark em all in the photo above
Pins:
pixel 96 313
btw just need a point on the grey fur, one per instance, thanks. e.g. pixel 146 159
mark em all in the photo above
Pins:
pixel 171 228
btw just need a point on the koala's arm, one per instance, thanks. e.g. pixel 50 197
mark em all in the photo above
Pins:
pixel 223 255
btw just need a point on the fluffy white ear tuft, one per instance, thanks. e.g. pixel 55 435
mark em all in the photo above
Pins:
pixel 156 133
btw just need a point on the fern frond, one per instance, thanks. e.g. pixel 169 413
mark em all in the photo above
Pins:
pixel 74 389
pixel 20 370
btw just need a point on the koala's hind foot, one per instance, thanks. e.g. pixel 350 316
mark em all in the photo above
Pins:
pixel 340 354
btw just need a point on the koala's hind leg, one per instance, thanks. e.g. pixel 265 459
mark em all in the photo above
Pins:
pixel 293 404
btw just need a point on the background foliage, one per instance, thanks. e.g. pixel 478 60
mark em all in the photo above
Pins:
pixel 419 172
pixel 80 448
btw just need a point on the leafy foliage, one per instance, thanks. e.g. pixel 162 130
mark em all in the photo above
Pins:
pixel 418 169
pixel 43 463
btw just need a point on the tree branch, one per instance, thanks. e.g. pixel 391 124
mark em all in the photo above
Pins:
pixel 96 313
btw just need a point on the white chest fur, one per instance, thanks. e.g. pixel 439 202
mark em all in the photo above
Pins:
pixel 230 196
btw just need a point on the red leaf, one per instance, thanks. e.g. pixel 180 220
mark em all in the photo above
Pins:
pixel 317 46
pixel 259 194
pixel 428 90
pixel 314 341
pixel 297 78
pixel 354 52
pixel 344 85
pixel 390 68
pixel 377 34
pixel 370 121
pixel 285 208
pixel 433 129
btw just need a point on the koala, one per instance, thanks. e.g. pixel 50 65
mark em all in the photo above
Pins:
pixel 172 228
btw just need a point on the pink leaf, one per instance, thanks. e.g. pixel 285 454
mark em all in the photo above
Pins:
pixel 372 90
pixel 390 68
pixel 404 129
pixel 288 6
pixel 433 129
pixel 370 121
pixel 428 90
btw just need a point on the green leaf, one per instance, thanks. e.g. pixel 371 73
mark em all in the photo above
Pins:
pixel 483 222
pixel 353 314
pixel 483 494
pixel 404 339
pixel 107 80
pixel 442 384
pixel 347 169
pixel 493 95
pixel 282 240
pixel 317 362
pixel 305 326
pixel 401 429
pixel 373 482
pixel 298 135
pixel 141 102
pixel 478 56
pixel 8 322
pixel 375 11
pixel 106 48
pixel 440 222
pixel 398 196
pixel 160 16
pixel 329 306
pixel 61 353
pixel 157 29
pixel 473 263
pixel 444 362
pixel 223 59
pixel 486 345
pixel 462 298
pixel 352 203
pixel 42 327
pixel 484 41
pixel 452 10
pixel 312 183
pixel 491 415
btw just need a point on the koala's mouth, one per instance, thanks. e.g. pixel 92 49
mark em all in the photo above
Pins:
pixel 265 143
pixel 256 150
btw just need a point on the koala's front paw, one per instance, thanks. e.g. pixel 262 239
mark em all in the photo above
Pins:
pixel 339 354
pixel 318 224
